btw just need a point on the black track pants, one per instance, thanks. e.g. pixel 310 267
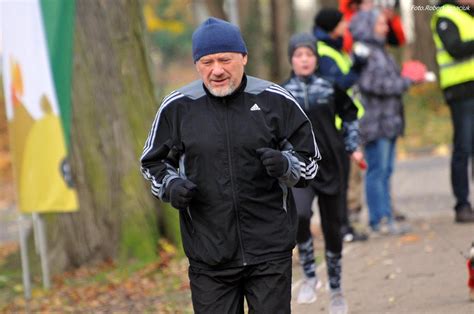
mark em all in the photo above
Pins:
pixel 331 209
pixel 266 286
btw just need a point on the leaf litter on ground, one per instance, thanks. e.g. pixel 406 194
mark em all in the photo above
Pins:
pixel 161 286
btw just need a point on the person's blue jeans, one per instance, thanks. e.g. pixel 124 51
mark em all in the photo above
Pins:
pixel 462 115
pixel 380 155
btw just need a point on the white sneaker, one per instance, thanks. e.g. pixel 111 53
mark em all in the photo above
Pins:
pixel 348 237
pixel 394 229
pixel 338 304
pixel 307 293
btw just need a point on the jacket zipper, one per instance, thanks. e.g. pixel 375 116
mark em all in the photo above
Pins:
pixel 306 101
pixel 182 173
pixel 234 198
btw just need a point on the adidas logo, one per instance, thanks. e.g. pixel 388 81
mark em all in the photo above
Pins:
pixel 255 107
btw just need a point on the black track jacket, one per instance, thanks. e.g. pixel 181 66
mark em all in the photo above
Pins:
pixel 239 215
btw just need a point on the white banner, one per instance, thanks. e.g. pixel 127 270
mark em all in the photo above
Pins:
pixel 36 135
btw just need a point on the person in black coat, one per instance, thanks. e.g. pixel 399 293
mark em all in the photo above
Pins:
pixel 225 151
pixel 322 100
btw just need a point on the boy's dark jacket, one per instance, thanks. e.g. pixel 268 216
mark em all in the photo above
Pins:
pixel 322 100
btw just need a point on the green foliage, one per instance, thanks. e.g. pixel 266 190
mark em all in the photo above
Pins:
pixel 428 122
pixel 10 277
pixel 138 238
pixel 170 225
pixel 169 26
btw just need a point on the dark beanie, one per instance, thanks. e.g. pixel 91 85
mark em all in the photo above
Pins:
pixel 301 40
pixel 327 19
pixel 215 35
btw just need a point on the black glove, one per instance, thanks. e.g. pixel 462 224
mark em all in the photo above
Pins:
pixel 275 162
pixel 180 192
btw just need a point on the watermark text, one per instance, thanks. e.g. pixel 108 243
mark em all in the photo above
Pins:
pixel 430 7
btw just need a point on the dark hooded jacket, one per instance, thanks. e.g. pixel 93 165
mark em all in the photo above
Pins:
pixel 380 84
pixel 328 68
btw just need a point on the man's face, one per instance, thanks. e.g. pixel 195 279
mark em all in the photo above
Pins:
pixel 222 72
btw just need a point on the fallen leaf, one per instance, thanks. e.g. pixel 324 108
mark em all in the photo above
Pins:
pixel 409 238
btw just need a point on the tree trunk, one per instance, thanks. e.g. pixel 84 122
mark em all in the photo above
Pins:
pixel 281 30
pixel 423 45
pixel 113 107
pixel 250 15
pixel 216 9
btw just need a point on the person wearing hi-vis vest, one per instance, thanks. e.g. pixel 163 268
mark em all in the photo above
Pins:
pixel 336 66
pixel 453 33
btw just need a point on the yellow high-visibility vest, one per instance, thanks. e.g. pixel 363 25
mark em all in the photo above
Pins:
pixel 344 63
pixel 453 71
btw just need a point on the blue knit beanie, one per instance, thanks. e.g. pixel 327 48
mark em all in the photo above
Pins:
pixel 215 35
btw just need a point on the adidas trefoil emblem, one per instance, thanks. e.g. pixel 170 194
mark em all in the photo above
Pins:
pixel 255 107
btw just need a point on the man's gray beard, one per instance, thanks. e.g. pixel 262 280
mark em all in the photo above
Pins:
pixel 222 92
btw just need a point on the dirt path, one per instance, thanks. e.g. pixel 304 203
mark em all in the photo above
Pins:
pixel 422 272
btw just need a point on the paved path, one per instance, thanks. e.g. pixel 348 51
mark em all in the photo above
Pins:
pixel 422 272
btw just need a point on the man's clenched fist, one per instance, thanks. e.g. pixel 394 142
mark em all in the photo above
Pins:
pixel 274 161
pixel 181 191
